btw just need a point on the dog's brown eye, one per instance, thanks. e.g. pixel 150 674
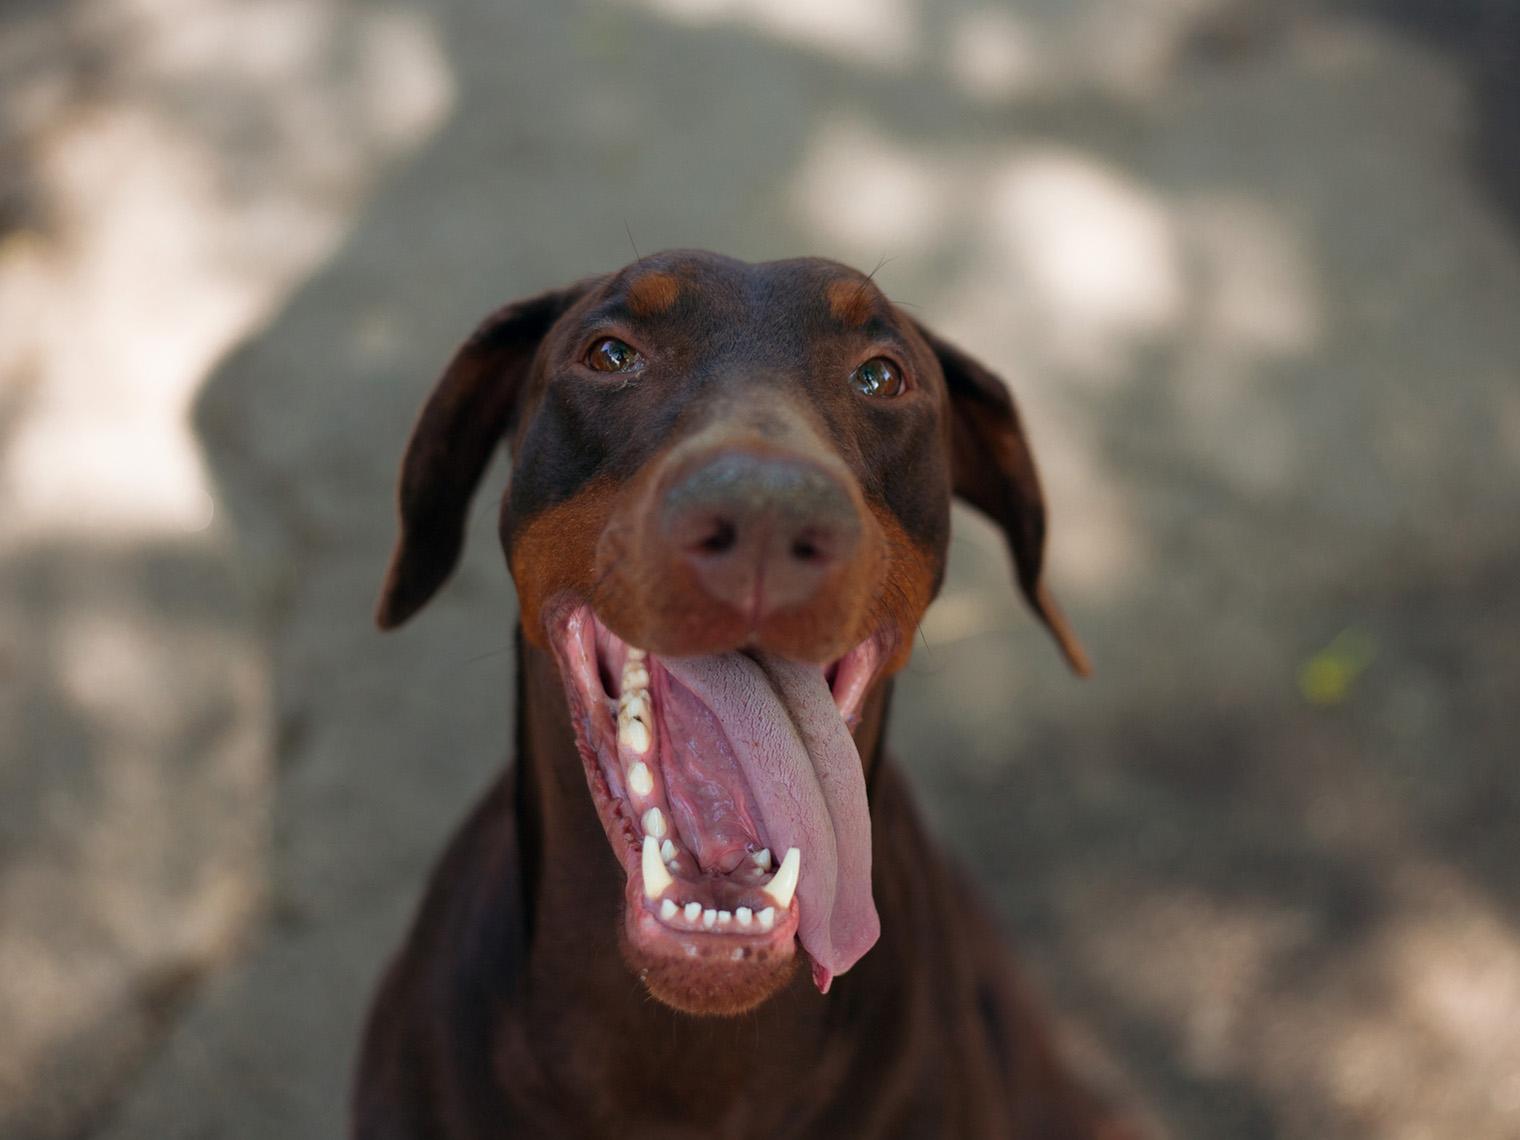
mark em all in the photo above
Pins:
pixel 878 377
pixel 612 355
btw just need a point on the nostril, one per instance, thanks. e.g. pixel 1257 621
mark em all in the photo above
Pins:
pixel 719 539
pixel 812 547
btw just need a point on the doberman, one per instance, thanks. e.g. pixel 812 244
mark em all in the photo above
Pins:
pixel 729 508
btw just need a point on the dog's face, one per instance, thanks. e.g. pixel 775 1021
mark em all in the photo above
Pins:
pixel 729 510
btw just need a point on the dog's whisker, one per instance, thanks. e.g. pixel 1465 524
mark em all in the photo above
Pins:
pixel 505 649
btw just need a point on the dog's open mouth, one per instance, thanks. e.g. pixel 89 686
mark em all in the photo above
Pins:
pixel 731 791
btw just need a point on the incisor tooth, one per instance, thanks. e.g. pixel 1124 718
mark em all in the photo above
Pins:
pixel 656 877
pixel 634 734
pixel 783 884
pixel 709 918
pixel 693 911
pixel 668 910
pixel 654 823
pixel 743 916
pixel 766 918
pixel 725 917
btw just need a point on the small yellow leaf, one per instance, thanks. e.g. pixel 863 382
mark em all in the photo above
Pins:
pixel 1326 678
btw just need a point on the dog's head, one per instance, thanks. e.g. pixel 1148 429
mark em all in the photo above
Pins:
pixel 729 509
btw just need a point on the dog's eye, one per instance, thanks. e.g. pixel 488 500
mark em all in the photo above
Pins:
pixel 878 377
pixel 612 355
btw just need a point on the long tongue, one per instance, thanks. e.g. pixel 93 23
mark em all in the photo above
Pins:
pixel 801 764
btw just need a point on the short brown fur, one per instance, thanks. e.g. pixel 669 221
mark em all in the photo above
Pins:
pixel 850 302
pixel 515 1007
pixel 653 293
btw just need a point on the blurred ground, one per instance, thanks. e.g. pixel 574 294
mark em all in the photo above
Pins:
pixel 1250 268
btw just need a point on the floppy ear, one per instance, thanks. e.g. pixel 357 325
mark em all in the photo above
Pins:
pixel 470 410
pixel 993 470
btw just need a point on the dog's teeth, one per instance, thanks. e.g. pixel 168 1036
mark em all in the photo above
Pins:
pixel 668 851
pixel 668 910
pixel 766 918
pixel 640 781
pixel 693 911
pixel 783 884
pixel 744 916
pixel 654 823
pixel 633 734
pixel 635 706
pixel 656 877
pixel 709 918
pixel 635 653
pixel 762 858
pixel 725 917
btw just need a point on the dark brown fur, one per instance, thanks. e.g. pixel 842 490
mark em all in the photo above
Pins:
pixel 511 1010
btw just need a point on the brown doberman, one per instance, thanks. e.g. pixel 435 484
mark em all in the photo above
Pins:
pixel 729 508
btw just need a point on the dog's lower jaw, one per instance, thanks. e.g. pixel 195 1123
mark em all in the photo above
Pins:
pixel 706 985
pixel 698 973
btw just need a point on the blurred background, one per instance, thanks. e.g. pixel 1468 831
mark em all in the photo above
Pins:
pixel 1252 269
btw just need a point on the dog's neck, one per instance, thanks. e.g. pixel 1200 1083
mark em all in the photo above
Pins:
pixel 572 894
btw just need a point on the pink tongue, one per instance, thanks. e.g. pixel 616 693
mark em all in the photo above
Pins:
pixel 800 762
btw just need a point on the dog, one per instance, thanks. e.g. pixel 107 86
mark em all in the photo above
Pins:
pixel 729 508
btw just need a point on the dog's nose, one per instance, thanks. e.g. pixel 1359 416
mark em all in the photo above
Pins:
pixel 761 533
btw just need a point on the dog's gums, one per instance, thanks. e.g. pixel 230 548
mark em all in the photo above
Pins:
pixel 693 765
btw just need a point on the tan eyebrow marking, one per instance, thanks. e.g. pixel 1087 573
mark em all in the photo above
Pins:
pixel 653 293
pixel 850 301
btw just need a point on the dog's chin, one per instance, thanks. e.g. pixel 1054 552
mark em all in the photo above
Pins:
pixel 708 981
pixel 704 973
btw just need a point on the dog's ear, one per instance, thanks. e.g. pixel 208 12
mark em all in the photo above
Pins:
pixel 993 470
pixel 470 410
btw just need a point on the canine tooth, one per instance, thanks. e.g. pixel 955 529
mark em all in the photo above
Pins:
pixel 668 851
pixel 634 734
pixel 725 917
pixel 693 911
pixel 783 884
pixel 709 918
pixel 762 858
pixel 654 823
pixel 766 918
pixel 668 910
pixel 744 916
pixel 656 877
